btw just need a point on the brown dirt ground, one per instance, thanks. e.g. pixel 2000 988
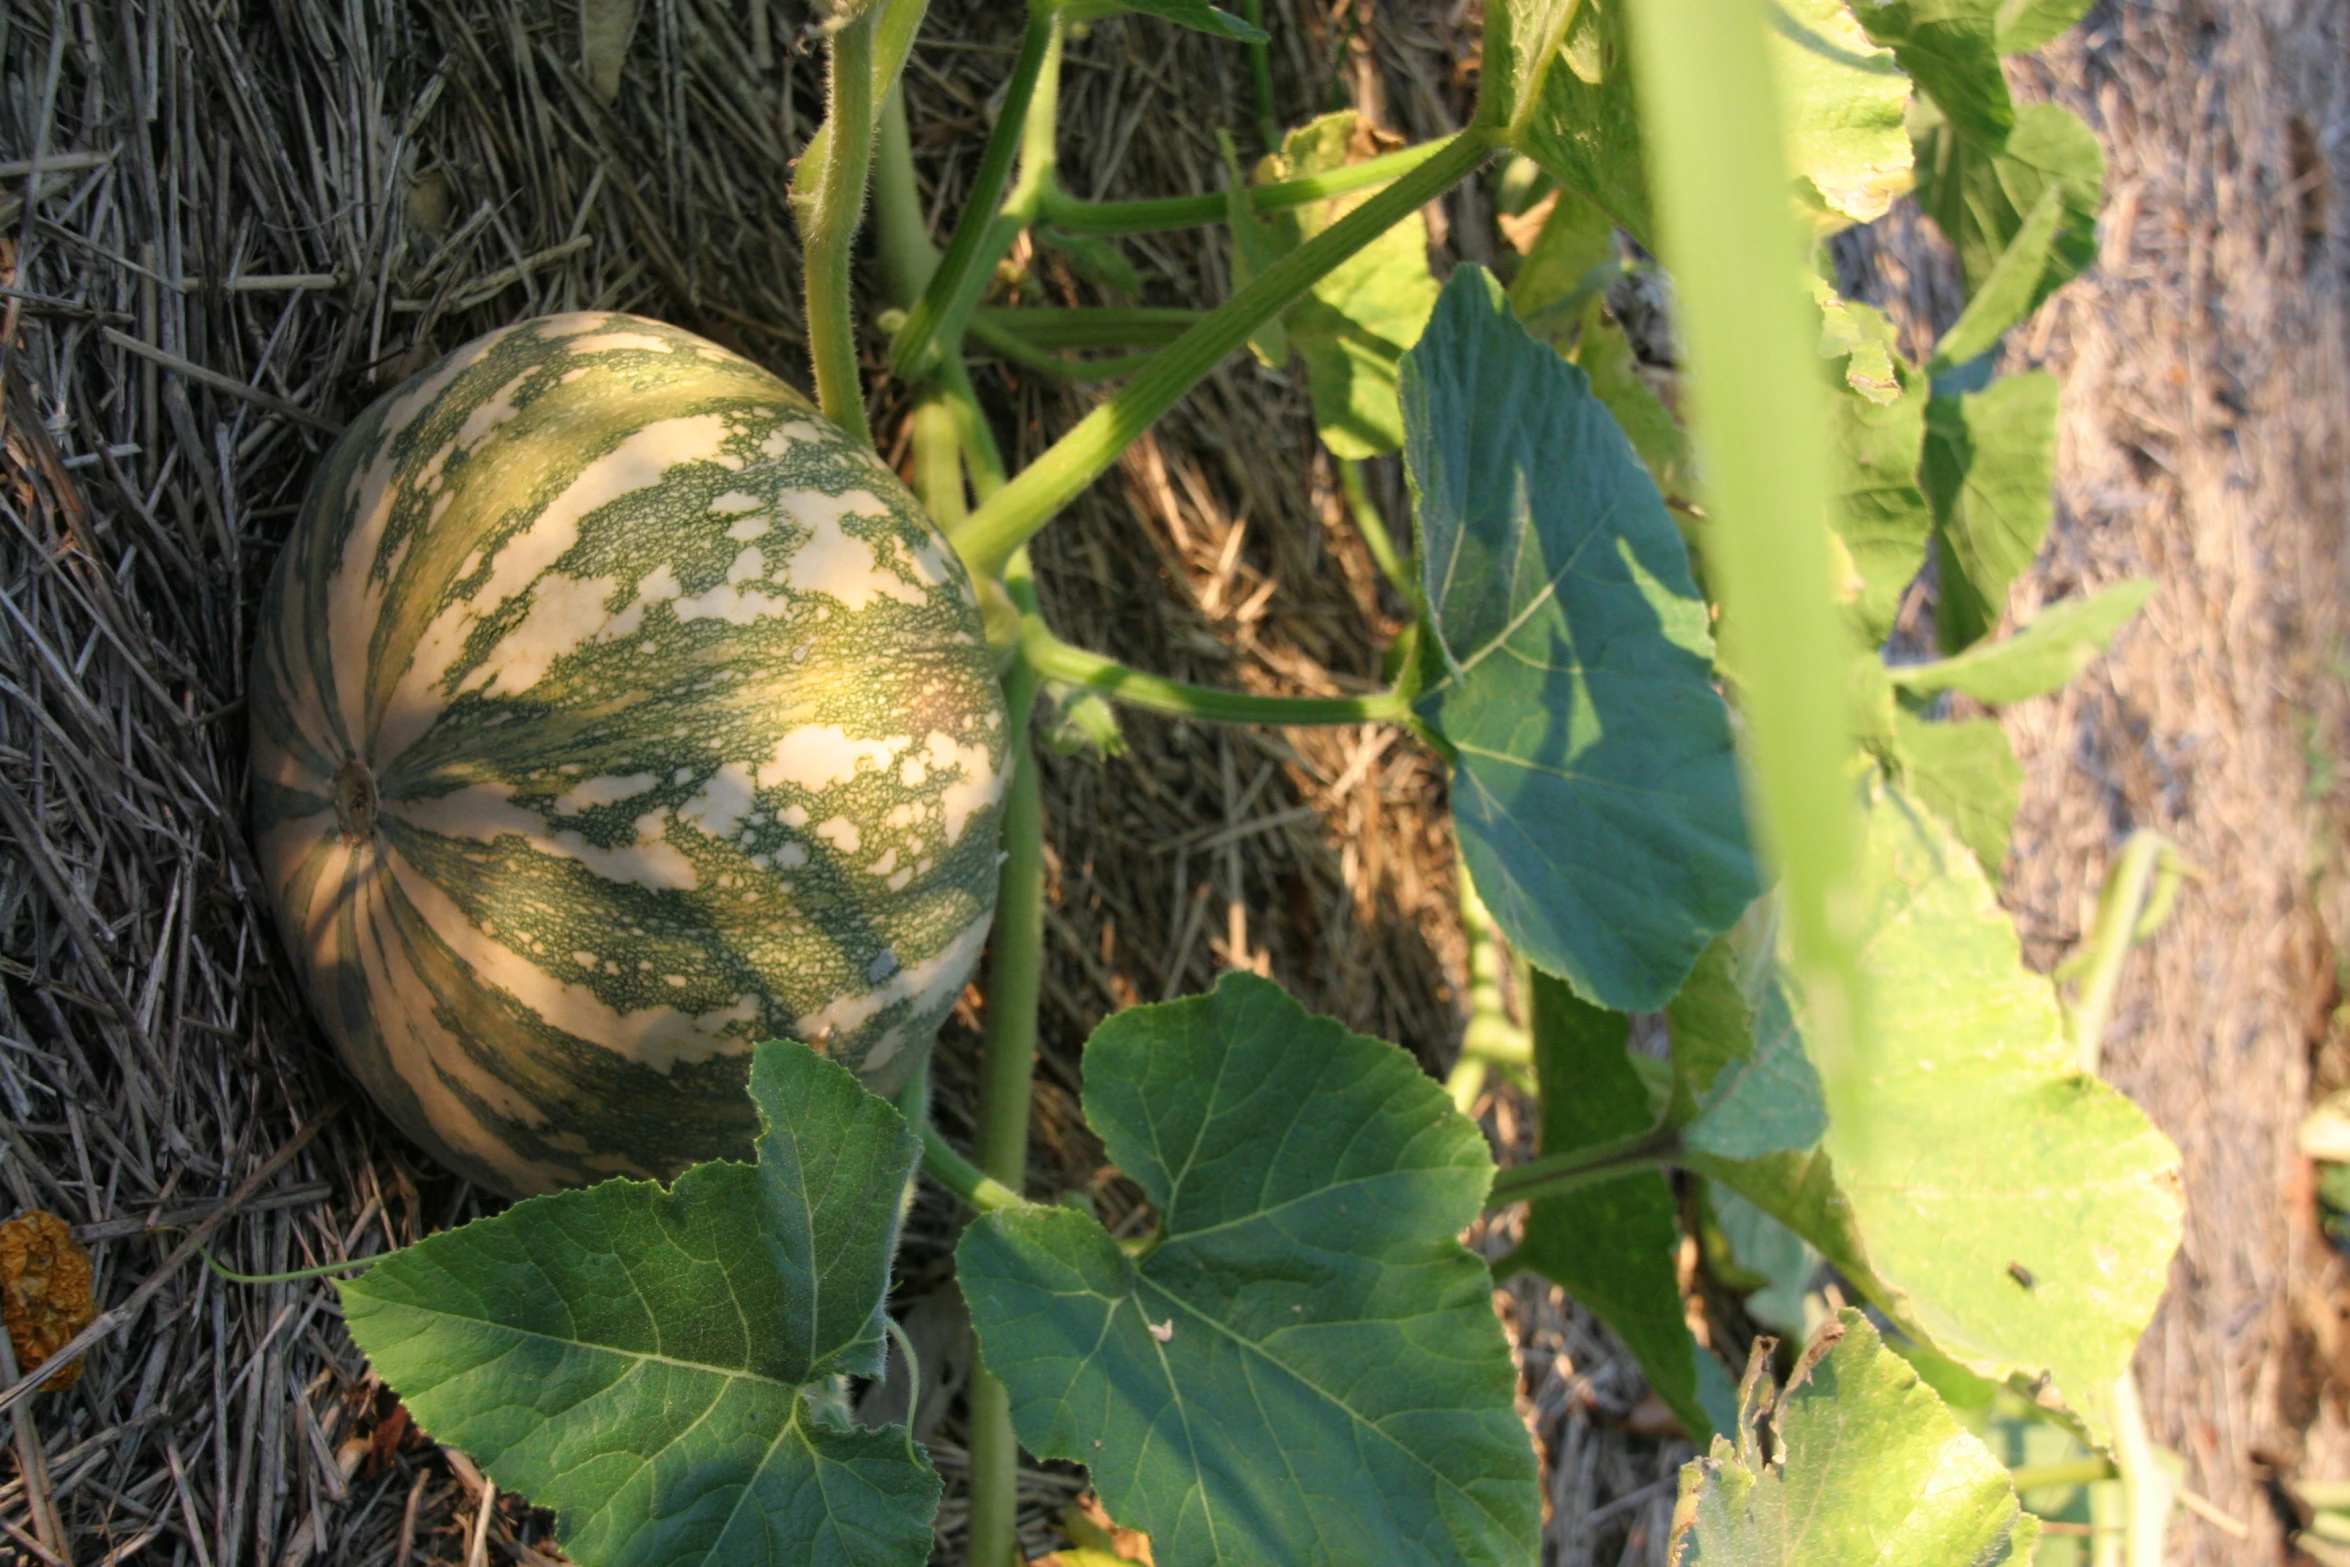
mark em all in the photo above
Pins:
pixel 383 180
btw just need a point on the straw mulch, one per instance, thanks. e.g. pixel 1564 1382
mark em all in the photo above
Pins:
pixel 224 228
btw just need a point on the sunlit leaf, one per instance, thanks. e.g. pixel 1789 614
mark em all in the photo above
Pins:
pixel 1950 49
pixel 658 1366
pixel 1966 773
pixel 2024 25
pixel 1980 194
pixel 1594 790
pixel 1984 1156
pixel 1613 1246
pixel 2033 660
pixel 1304 1368
pixel 1842 101
pixel 1878 420
pixel 1861 1466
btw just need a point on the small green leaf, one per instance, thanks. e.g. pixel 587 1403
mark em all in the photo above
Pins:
pixel 654 1364
pixel 1571 262
pixel 1604 352
pixel 1613 1246
pixel 2035 659
pixel 1304 1369
pixel 1966 773
pixel 1777 1263
pixel 1353 327
pixel 1863 1467
pixel 1949 48
pixel 1878 419
pixel 1842 102
pixel 1981 193
pixel 1200 17
pixel 2024 25
pixel 2008 292
pixel 1988 470
pixel 1595 790
pixel 1744 1088
pixel 1985 1151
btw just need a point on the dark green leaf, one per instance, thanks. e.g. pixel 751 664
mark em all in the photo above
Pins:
pixel 1949 48
pixel 1863 1467
pixel 2024 25
pixel 1980 194
pixel 654 1364
pixel 1200 17
pixel 1305 1367
pixel 1988 472
pixel 2065 639
pixel 1978 1147
pixel 1595 790
pixel 1576 116
pixel 1613 1246
pixel 1966 773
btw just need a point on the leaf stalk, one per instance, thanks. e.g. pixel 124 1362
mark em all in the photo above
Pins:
pixel 1054 659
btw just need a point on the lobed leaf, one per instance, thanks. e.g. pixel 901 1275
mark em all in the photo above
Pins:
pixel 2035 659
pixel 1863 1466
pixel 654 1365
pixel 2010 1162
pixel 1594 787
pixel 1304 1368
pixel 1614 1247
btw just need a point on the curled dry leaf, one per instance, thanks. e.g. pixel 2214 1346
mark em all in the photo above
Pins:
pixel 44 1291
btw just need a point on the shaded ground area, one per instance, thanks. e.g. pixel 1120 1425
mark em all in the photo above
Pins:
pixel 252 219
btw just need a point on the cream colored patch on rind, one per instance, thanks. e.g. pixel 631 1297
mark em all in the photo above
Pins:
pixel 589 793
pixel 485 812
pixel 835 562
pixel 979 787
pixel 818 756
pixel 605 342
pixel 725 798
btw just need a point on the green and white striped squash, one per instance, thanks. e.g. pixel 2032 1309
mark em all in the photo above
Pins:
pixel 611 712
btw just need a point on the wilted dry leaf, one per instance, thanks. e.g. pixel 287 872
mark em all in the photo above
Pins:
pixel 44 1291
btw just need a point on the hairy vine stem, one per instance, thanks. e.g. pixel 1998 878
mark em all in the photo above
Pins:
pixel 1558 1174
pixel 1026 504
pixel 831 220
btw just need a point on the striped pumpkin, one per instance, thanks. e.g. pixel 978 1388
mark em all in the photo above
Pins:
pixel 611 712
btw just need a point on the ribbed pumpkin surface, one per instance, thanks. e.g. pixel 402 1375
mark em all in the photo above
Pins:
pixel 611 712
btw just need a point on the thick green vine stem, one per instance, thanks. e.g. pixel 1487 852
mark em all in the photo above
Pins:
pixel 943 1164
pixel 1163 213
pixel 1074 461
pixel 1566 1172
pixel 936 319
pixel 830 228
pixel 1054 659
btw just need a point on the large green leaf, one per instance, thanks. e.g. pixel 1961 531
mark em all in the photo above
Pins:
pixel 1594 791
pixel 1304 1367
pixel 1989 471
pixel 1842 105
pixel 1878 418
pixel 1980 193
pixel 1863 1468
pixel 657 1365
pixel 1352 328
pixel 1612 1246
pixel 1966 773
pixel 1566 94
pixel 1950 49
pixel 2008 1163
pixel 2036 659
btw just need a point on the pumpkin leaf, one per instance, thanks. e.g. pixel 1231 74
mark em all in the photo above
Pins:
pixel 1878 423
pixel 658 1366
pixel 1562 78
pixel 1200 17
pixel 1965 772
pixel 1843 102
pixel 2008 292
pixel 1594 786
pixel 2035 659
pixel 1743 1086
pixel 2024 25
pixel 2009 1161
pixel 1981 193
pixel 1988 470
pixel 1352 327
pixel 1613 1246
pixel 1950 49
pixel 1304 1367
pixel 1863 1466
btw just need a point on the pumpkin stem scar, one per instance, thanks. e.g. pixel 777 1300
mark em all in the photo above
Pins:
pixel 356 802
